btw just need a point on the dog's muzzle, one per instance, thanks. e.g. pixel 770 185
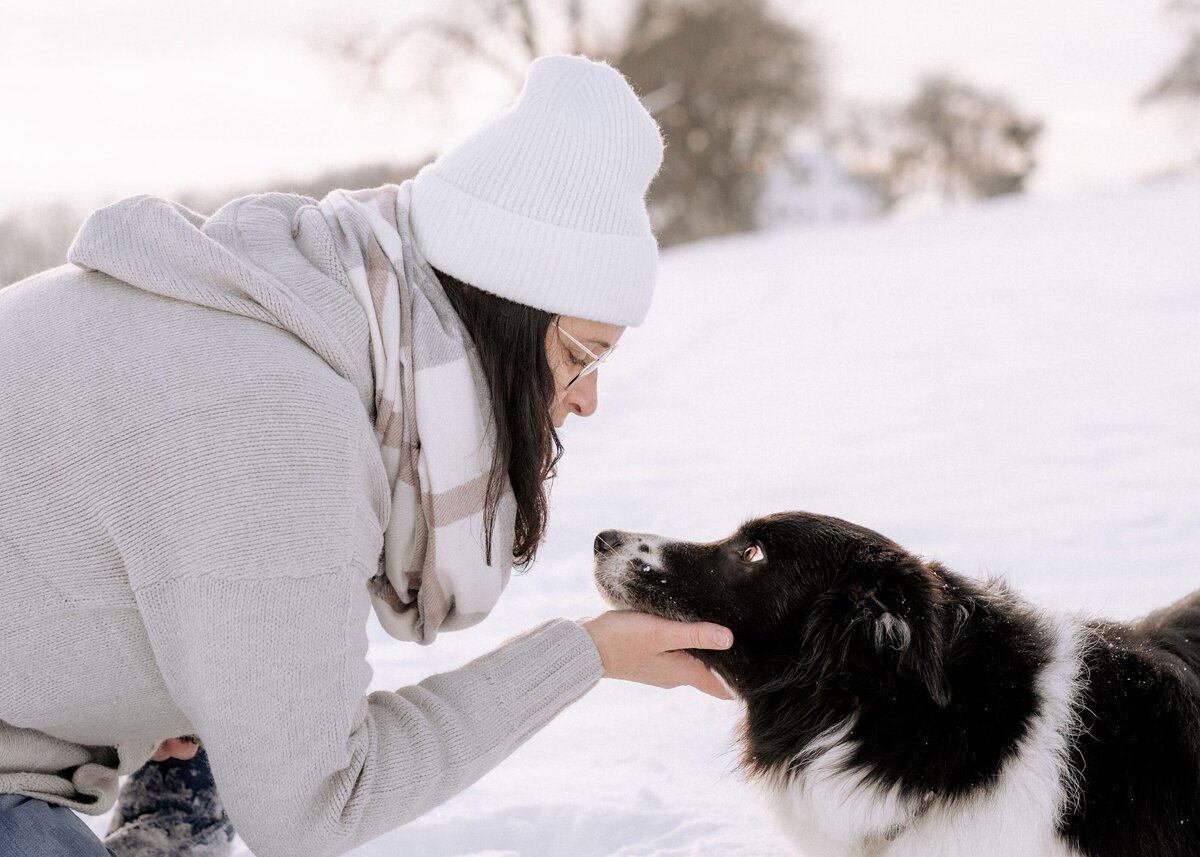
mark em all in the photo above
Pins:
pixel 620 560
pixel 607 542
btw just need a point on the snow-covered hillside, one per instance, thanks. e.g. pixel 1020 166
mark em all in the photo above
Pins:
pixel 1013 389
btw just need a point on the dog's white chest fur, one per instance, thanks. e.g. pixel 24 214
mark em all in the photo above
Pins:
pixel 829 812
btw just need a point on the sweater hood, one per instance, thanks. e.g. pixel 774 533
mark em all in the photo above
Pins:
pixel 270 257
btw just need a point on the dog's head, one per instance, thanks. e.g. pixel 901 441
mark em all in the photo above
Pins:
pixel 811 600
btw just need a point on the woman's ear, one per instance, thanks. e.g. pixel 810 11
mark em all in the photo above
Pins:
pixel 903 602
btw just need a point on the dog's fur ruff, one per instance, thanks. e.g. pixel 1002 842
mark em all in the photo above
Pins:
pixel 896 709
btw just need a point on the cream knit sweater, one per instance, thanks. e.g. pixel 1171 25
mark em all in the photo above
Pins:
pixel 191 503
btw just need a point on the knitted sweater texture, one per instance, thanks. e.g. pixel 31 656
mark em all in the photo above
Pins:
pixel 191 503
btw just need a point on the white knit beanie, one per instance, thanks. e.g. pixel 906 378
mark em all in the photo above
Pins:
pixel 545 205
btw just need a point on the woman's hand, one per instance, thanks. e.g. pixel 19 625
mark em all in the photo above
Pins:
pixel 644 648
pixel 176 748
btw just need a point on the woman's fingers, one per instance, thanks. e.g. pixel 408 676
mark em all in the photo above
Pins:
pixel 692 672
pixel 648 649
pixel 693 635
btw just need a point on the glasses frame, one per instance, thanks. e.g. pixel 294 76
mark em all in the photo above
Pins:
pixel 596 359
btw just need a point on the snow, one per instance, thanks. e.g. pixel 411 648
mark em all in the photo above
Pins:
pixel 1012 388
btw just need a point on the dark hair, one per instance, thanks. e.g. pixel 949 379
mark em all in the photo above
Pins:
pixel 511 341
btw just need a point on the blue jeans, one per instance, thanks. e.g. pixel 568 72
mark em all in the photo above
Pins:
pixel 33 828
pixel 165 809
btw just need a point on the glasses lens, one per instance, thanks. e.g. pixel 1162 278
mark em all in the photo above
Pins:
pixel 587 370
pixel 593 365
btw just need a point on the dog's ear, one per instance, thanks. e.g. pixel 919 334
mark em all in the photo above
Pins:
pixel 900 603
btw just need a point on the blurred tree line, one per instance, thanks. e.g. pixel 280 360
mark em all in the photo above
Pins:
pixel 953 141
pixel 731 82
pixel 34 239
pixel 1180 83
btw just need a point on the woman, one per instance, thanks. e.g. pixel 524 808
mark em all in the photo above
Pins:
pixel 223 438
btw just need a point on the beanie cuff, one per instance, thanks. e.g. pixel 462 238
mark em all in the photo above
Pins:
pixel 600 277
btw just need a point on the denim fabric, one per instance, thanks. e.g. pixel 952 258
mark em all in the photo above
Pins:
pixel 33 828
pixel 170 809
pixel 165 809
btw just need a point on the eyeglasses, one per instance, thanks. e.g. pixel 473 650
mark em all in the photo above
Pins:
pixel 596 359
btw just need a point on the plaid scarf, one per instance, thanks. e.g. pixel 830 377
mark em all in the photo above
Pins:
pixel 433 419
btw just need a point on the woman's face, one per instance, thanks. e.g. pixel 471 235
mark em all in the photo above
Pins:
pixel 567 359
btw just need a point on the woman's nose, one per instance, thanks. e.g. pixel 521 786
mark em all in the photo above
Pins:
pixel 581 397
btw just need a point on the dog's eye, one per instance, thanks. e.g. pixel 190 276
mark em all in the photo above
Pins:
pixel 754 553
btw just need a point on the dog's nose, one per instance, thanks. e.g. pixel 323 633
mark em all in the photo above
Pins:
pixel 607 542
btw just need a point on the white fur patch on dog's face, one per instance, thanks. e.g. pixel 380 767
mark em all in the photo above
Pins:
pixel 632 555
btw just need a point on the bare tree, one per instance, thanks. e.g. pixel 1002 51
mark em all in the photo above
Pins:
pixel 967 143
pixel 501 36
pixel 1181 82
pixel 726 79
pixel 952 140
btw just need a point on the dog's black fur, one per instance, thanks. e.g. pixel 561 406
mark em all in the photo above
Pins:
pixel 837 624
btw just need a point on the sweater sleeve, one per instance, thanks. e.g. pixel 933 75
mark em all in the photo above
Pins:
pixel 306 763
pixel 266 658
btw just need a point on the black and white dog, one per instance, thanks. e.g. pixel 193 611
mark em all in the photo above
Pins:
pixel 896 708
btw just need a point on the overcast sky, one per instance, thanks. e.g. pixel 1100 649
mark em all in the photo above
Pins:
pixel 105 98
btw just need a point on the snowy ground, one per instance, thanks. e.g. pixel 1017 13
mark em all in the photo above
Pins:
pixel 1013 389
